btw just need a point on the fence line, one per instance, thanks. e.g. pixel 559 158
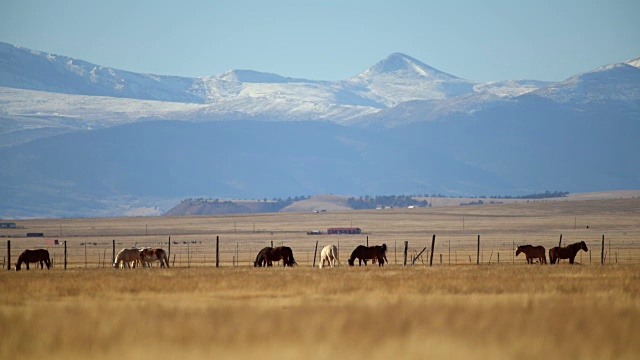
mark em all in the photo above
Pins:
pixel 214 250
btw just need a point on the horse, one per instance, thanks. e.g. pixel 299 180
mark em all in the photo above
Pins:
pixel 371 252
pixel 261 258
pixel 147 256
pixel 533 252
pixel 268 255
pixel 283 253
pixel 126 256
pixel 330 255
pixel 34 256
pixel 567 252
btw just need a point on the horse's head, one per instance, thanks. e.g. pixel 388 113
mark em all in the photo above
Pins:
pixel 518 250
pixel 351 261
pixel 583 246
pixel 19 262
pixel 115 265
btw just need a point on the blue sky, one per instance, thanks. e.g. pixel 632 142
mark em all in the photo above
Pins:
pixel 331 40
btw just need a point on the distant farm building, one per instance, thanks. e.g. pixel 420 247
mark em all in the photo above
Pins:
pixel 314 232
pixel 35 234
pixel 347 230
pixel 7 225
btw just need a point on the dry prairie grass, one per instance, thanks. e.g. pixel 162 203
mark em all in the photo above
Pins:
pixel 489 311
pixel 497 311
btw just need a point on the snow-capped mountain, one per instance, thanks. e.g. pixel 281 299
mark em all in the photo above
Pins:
pixel 35 70
pixel 615 82
pixel 235 93
pixel 79 139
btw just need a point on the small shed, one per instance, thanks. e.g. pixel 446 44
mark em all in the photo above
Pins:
pixel 7 225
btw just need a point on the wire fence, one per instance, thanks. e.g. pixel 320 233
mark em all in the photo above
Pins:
pixel 199 250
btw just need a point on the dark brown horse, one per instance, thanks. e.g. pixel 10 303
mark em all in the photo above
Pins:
pixel 34 256
pixel 261 258
pixel 268 255
pixel 363 253
pixel 567 252
pixel 533 252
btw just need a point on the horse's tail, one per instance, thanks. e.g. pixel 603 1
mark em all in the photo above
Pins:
pixel 551 260
pixel 292 261
pixel 334 253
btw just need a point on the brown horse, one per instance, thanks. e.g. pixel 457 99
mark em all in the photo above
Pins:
pixel 261 258
pixel 268 255
pixel 363 253
pixel 34 256
pixel 567 252
pixel 533 252
pixel 147 256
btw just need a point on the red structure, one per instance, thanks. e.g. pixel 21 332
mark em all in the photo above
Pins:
pixel 348 230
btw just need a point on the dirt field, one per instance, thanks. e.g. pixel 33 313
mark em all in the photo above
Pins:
pixel 453 309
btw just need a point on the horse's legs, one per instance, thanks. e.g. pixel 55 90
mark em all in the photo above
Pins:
pixel 571 259
pixel 27 265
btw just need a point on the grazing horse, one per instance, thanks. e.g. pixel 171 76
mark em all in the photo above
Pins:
pixel 147 256
pixel 567 252
pixel 283 253
pixel 371 252
pixel 126 256
pixel 34 256
pixel 261 258
pixel 533 252
pixel 330 255
pixel 268 255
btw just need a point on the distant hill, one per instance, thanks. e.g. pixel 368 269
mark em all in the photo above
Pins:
pixel 321 203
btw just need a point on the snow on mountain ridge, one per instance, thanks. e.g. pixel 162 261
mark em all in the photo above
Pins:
pixel 619 82
pixel 634 62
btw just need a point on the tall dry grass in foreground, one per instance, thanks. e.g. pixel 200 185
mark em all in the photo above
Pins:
pixel 489 311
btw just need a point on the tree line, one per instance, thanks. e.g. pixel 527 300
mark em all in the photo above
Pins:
pixel 373 202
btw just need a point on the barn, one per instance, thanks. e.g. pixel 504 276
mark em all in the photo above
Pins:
pixel 7 225
pixel 344 230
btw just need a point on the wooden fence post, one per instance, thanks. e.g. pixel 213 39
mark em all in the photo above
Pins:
pixel 478 255
pixel 314 255
pixel 8 254
pixel 413 261
pixel 406 248
pixel 602 252
pixel 113 251
pixel 367 240
pixel 65 254
pixel 560 242
pixel 169 249
pixel 433 244
pixel 217 251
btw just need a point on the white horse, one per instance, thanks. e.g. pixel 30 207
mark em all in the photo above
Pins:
pixel 126 256
pixel 330 255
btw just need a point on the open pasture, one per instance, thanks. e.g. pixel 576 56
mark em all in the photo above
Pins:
pixel 454 309
pixel 463 311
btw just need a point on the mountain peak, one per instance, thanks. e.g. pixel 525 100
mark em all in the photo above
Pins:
pixel 402 65
pixel 634 62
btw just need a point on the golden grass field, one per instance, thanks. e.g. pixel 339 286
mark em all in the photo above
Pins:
pixel 193 310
